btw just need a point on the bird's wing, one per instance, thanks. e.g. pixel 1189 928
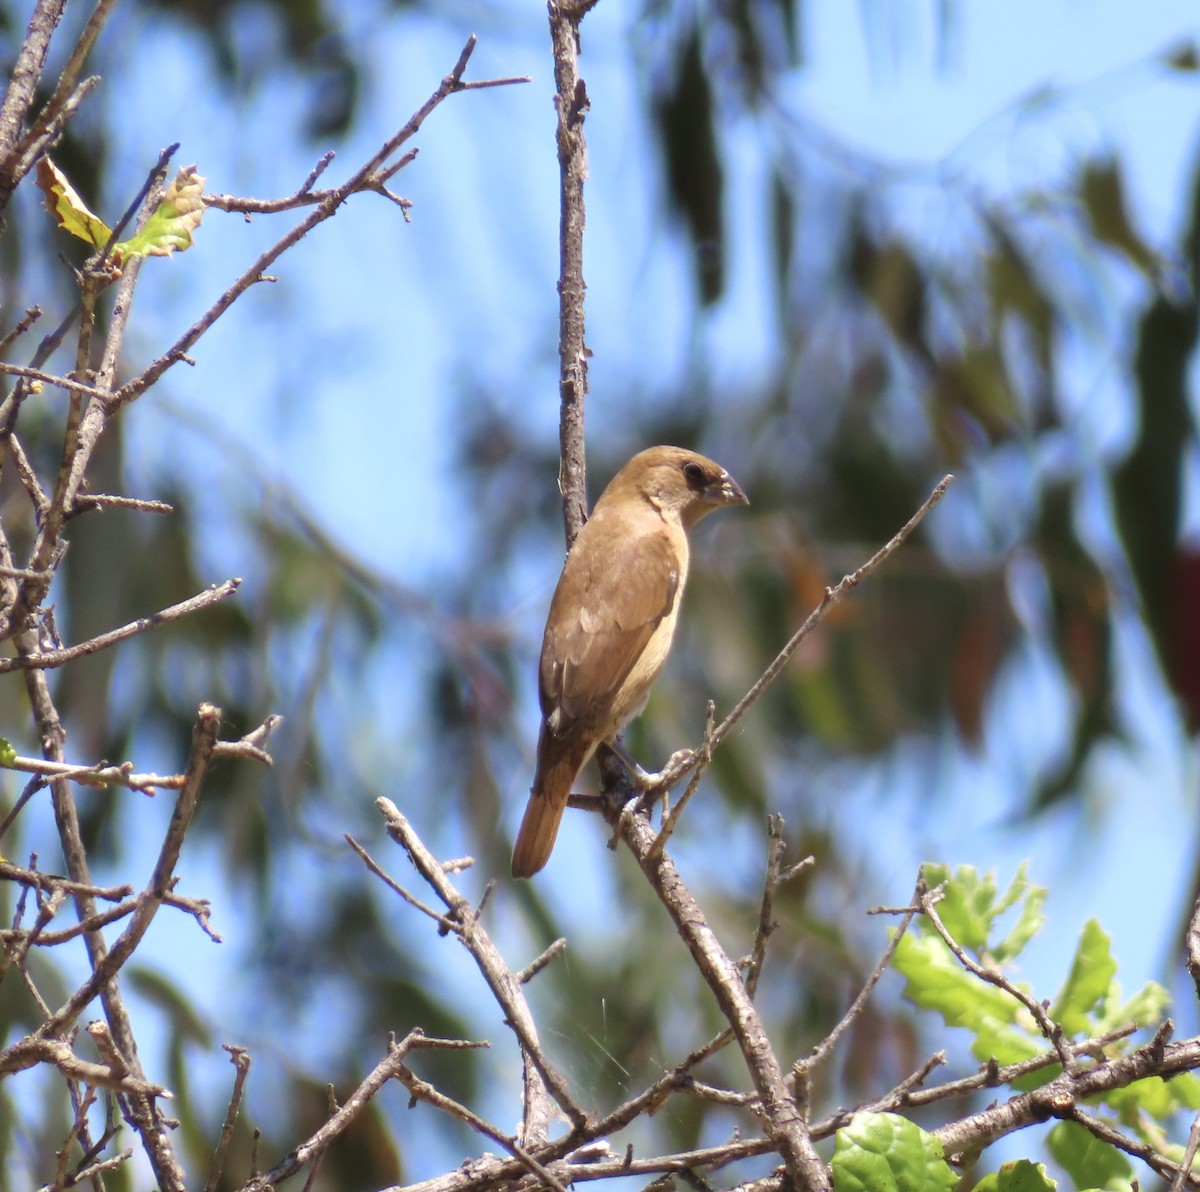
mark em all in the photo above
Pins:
pixel 607 606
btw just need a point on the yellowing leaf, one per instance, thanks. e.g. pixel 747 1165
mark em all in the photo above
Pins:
pixel 173 221
pixel 64 203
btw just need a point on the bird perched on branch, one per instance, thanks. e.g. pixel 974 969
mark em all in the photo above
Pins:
pixel 611 621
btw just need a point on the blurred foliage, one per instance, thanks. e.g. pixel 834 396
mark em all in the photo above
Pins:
pixel 897 358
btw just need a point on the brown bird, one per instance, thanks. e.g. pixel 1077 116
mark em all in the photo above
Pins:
pixel 611 621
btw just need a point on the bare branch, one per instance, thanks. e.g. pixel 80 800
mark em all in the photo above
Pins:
pixel 103 775
pixel 92 1171
pixel 22 87
pixel 821 1052
pixel 387 1069
pixel 49 659
pixel 782 1119
pixel 536 965
pixel 673 773
pixel 540 1075
pixel 1189 1157
pixel 26 321
pixel 33 1050
pixel 1059 1097
pixel 423 1091
pixel 327 206
pixel 59 106
pixel 1131 1146
pixel 446 923
pixel 571 104
pixel 240 1058
pixel 49 882
pixel 90 501
pixel 203 741
pixel 1049 1028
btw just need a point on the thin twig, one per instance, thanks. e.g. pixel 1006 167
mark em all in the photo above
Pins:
pixel 35 879
pixel 1052 1031
pixel 90 501
pixel 26 321
pixel 422 1090
pixel 673 773
pixel 23 80
pixel 1157 1162
pixel 49 659
pixel 36 374
pixel 240 1058
pixel 822 1050
pixel 387 1069
pixel 443 921
pixel 571 105
pixel 536 965
pixel 93 1171
pixel 651 1099
pixel 1189 1156
pixel 124 775
pixel 767 924
pixel 31 1050
pixel 540 1076
pixel 324 209
pixel 671 818
pixel 782 1119
pixel 204 738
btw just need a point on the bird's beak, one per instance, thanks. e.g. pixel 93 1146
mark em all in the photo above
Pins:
pixel 728 491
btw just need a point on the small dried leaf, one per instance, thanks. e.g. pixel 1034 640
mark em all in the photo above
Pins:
pixel 68 209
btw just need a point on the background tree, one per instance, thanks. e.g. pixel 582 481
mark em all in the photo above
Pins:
pixel 893 351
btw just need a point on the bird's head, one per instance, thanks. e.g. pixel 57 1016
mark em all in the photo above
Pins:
pixel 680 482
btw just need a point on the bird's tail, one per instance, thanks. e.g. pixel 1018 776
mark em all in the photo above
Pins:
pixel 544 812
pixel 539 830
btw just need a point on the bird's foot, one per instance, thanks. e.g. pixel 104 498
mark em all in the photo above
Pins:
pixel 650 782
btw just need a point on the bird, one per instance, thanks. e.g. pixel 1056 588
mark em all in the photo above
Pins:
pixel 611 621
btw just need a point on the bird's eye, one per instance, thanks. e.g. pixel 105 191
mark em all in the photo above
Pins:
pixel 693 473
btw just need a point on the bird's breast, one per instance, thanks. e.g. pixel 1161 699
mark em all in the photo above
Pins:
pixel 633 693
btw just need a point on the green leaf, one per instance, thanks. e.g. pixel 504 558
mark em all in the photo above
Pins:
pixel 1018 1176
pixel 173 221
pixel 883 1152
pixel 1088 1161
pixel 169 227
pixel 1154 1097
pixel 1147 1007
pixel 972 903
pixel 1029 923
pixel 936 981
pixel 968 904
pixel 1088 983
pixel 1102 191
pixel 8 754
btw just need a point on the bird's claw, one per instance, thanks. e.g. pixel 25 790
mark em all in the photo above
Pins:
pixel 646 781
